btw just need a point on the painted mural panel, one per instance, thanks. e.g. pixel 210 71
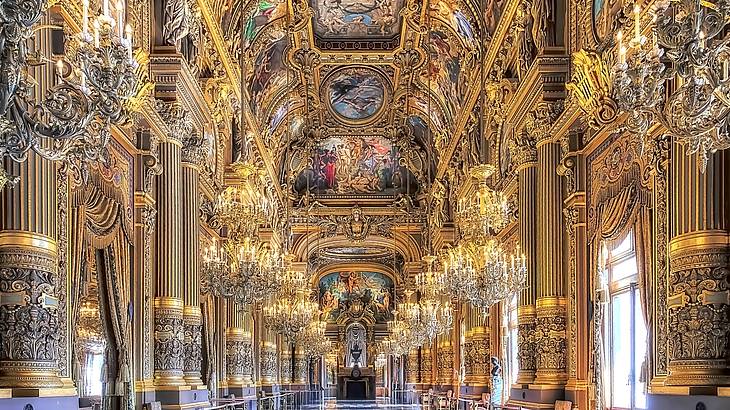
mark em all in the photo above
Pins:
pixel 356 94
pixel 451 13
pixel 264 12
pixel 269 74
pixel 357 18
pixel 445 74
pixel 356 294
pixel 355 165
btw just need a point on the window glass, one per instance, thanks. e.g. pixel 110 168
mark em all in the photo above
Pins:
pixel 640 348
pixel 621 350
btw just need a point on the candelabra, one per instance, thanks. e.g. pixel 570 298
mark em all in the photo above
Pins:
pixel 314 340
pixel 688 41
pixel 244 206
pixel 497 275
pixel 97 86
pixel 459 273
pixel 288 316
pixel 435 309
pixel 486 211
pixel 248 275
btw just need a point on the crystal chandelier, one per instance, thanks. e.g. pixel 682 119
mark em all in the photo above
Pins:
pixel 459 272
pixel 497 275
pixel 484 212
pixel 248 275
pixel 690 37
pixel 435 309
pixel 98 86
pixel 314 339
pixel 244 206
pixel 288 315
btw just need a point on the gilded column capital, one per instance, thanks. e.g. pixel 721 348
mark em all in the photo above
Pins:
pixel 590 88
pixel 195 149
pixel 177 118
pixel 522 149
pixel 541 119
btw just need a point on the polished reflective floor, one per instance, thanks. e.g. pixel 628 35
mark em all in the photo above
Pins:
pixel 360 404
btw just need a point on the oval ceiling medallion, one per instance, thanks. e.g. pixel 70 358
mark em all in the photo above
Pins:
pixel 356 94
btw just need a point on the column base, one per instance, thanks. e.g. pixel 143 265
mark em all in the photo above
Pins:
pixel 38 403
pixel 536 396
pixel 182 399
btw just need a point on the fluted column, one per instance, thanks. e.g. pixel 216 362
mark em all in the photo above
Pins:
pixel 525 158
pixel 169 327
pixel 699 257
pixel 476 352
pixel 29 320
pixel 34 332
pixel 193 155
pixel 550 306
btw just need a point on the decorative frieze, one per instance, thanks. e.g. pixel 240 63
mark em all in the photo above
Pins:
pixel 526 347
pixel 699 306
pixel 550 341
pixel 193 354
pixel 238 356
pixel 169 342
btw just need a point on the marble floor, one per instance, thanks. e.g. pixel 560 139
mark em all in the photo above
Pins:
pixel 332 404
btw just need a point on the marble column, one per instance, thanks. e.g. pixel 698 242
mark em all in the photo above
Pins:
pixel 29 249
pixel 445 362
pixel 524 156
pixel 550 306
pixel 194 153
pixel 699 258
pixel 412 367
pixel 476 353
pixel 34 317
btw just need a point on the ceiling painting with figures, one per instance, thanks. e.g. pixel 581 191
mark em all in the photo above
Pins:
pixel 356 294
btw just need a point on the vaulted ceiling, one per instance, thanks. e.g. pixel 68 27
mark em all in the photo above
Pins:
pixel 343 93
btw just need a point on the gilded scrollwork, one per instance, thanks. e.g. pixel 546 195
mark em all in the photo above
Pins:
pixel 193 354
pixel 699 304
pixel 550 341
pixel 169 343
pixel 590 87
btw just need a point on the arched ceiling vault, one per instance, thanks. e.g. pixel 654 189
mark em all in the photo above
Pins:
pixel 314 70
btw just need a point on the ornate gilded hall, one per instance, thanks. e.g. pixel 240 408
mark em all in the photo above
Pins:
pixel 364 204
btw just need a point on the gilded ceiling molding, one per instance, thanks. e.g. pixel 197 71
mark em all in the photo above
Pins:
pixel 310 244
pixel 359 266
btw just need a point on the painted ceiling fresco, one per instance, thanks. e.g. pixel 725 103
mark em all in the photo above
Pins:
pixel 356 165
pixel 356 295
pixel 332 72
pixel 357 18
pixel 355 93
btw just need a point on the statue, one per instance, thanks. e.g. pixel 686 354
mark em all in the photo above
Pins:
pixel 175 22
pixel 496 372
pixel 543 27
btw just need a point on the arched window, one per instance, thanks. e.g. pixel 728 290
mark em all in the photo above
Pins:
pixel 624 329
